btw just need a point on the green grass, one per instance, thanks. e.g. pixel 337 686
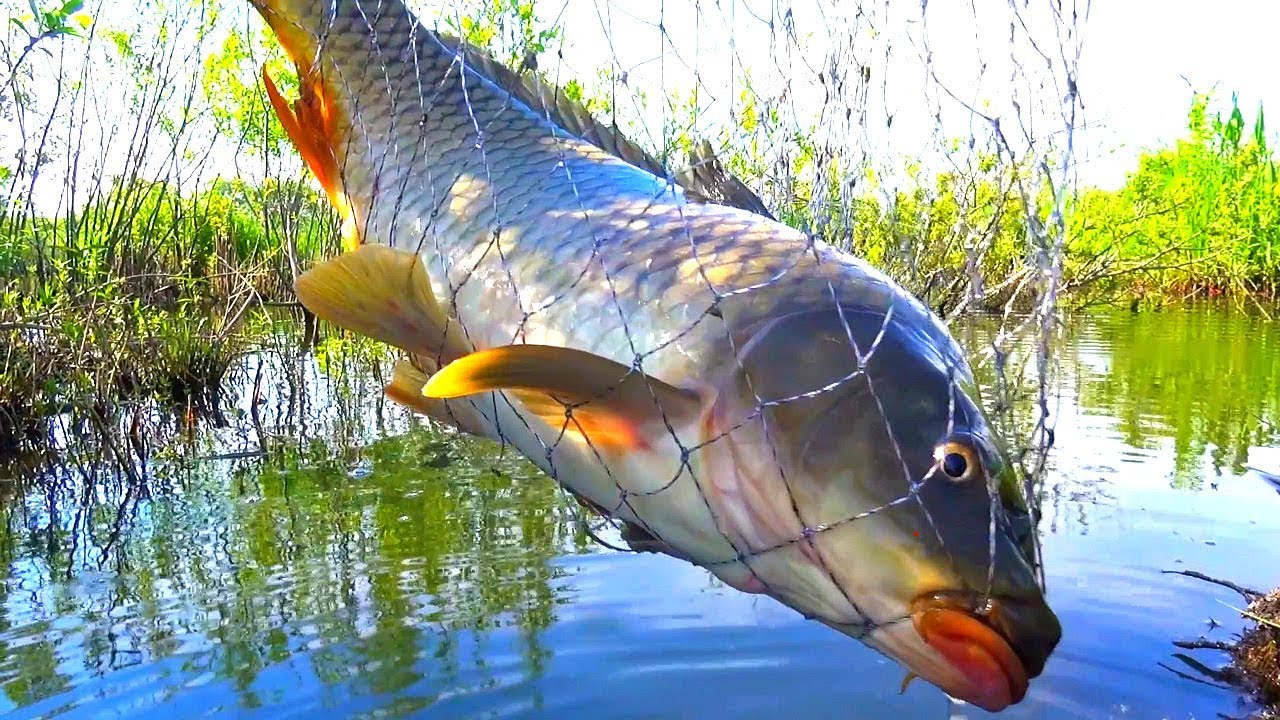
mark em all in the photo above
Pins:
pixel 143 294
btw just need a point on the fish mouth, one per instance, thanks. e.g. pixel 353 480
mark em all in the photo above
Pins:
pixel 995 645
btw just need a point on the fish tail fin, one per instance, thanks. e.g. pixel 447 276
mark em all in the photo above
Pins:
pixel 317 123
pixel 313 125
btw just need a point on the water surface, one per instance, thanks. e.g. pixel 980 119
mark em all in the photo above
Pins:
pixel 372 567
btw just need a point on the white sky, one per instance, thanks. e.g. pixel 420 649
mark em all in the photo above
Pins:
pixel 1135 57
pixel 1137 53
pixel 1141 61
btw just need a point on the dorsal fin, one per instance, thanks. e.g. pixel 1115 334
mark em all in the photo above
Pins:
pixel 716 184
pixel 705 181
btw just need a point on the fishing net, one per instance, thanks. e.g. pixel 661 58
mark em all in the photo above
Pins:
pixel 938 140
pixel 935 140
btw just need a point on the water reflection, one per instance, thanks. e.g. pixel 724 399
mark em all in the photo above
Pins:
pixel 1206 383
pixel 368 564
pixel 245 567
pixel 1200 383
pixel 198 574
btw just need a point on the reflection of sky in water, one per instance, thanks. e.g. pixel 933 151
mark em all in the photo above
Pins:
pixel 305 589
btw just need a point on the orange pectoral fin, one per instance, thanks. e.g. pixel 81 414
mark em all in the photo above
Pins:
pixel 602 426
pixel 607 402
pixel 312 125
pixel 405 388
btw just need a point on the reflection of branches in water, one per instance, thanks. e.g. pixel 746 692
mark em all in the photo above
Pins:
pixel 243 545
pixel 1225 679
pixel 1010 389
pixel 1255 656
pixel 366 579
pixel 1153 357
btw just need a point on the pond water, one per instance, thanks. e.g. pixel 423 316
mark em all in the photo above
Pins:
pixel 372 567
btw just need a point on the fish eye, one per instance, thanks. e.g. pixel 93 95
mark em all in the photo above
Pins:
pixel 957 460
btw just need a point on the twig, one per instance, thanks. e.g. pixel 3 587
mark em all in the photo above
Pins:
pixel 1248 593
pixel 1203 644
pixel 24 326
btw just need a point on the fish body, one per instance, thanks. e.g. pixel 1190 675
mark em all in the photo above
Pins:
pixel 739 395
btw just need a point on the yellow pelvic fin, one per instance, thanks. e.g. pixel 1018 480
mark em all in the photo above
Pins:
pixel 313 124
pixel 385 294
pixel 406 388
pixel 585 394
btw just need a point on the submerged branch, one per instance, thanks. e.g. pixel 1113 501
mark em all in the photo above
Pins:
pixel 1248 593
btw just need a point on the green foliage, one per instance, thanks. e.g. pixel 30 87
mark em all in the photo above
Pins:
pixel 1200 217
pixel 150 240
pixel 24 32
pixel 64 19
pixel 511 30
pixel 138 294
pixel 234 93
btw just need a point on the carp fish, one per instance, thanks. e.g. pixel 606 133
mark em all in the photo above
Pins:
pixel 731 391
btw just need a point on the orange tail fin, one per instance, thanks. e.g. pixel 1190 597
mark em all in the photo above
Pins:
pixel 312 124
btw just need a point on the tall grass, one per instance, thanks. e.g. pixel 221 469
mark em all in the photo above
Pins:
pixel 1201 217
pixel 148 208
pixel 1197 218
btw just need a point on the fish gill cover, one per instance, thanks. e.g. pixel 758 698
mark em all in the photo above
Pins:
pixel 685 343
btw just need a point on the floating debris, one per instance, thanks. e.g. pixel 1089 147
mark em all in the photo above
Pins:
pixel 1258 652
pixel 1255 657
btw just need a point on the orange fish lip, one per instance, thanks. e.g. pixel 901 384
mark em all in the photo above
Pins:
pixel 995 676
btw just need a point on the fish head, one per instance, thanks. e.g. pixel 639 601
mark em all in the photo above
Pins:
pixel 863 486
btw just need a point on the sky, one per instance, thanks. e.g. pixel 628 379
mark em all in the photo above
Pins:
pixel 1139 63
pixel 1140 60
pixel 1143 57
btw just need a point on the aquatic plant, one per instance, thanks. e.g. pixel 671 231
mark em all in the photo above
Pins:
pixel 1258 653
pixel 134 283
pixel 1198 218
pixel 1255 656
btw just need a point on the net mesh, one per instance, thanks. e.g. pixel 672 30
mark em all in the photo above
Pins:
pixel 912 135
pixel 1003 104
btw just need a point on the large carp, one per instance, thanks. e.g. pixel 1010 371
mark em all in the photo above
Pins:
pixel 732 392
